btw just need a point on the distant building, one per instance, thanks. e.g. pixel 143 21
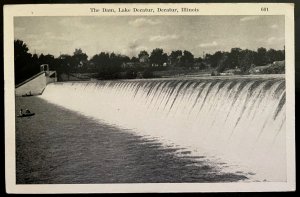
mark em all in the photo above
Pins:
pixel 199 66
pixel 128 64
pixel 231 71
pixel 258 69
pixel 261 69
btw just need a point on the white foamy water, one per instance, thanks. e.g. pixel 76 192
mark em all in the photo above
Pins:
pixel 238 121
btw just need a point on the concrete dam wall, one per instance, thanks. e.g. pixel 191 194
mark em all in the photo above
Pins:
pixel 36 84
pixel 238 121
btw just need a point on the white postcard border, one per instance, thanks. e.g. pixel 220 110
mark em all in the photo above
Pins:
pixel 10 11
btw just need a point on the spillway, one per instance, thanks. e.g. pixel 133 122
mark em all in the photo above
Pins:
pixel 239 121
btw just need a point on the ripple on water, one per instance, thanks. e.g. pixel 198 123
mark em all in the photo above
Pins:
pixel 58 146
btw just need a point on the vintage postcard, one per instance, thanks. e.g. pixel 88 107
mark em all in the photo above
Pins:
pixel 117 98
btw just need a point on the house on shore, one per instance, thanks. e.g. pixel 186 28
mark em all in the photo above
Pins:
pixel 276 67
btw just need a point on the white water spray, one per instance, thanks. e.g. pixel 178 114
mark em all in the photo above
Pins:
pixel 241 121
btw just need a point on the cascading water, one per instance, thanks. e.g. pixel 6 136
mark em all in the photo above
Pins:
pixel 240 120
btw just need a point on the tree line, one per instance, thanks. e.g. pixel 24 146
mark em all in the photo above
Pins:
pixel 244 59
pixel 115 66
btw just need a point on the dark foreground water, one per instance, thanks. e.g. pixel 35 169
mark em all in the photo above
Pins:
pixel 58 146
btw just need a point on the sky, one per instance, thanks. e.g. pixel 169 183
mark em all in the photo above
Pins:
pixel 129 35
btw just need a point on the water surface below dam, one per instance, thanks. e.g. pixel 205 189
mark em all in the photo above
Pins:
pixel 59 146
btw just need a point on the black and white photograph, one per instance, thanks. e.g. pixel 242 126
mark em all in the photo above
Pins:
pixel 150 94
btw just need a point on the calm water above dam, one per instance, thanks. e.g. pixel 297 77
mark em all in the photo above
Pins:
pixel 59 146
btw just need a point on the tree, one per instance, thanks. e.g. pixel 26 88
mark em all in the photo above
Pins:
pixel 131 73
pixel 198 60
pixel 35 58
pixel 246 60
pixel 46 59
pixel 79 60
pixel 25 66
pixel 63 64
pixel 200 63
pixel 224 62
pixel 147 73
pixel 215 58
pixel 158 57
pixel 20 49
pixel 273 55
pixel 143 56
pixel 115 62
pixel 234 57
pixel 134 59
pixel 187 59
pixel 261 58
pixel 175 57
pixel 107 65
pixel 124 58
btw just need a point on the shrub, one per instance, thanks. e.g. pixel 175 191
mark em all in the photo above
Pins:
pixel 215 73
pixel 148 74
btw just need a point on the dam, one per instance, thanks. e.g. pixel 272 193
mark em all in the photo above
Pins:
pixel 236 120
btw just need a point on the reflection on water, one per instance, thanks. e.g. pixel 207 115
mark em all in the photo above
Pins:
pixel 59 146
